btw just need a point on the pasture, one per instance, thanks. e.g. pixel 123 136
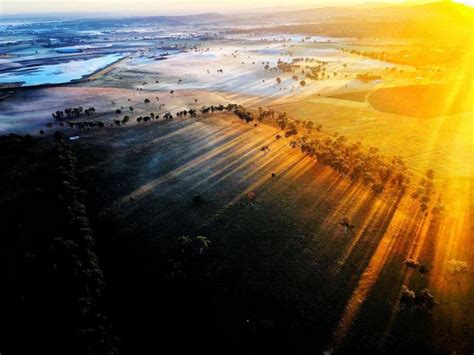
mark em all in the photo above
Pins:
pixel 269 268
pixel 301 258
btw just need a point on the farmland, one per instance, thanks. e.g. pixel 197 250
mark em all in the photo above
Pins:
pixel 226 186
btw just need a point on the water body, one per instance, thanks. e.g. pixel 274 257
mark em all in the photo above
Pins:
pixel 58 73
pixel 80 48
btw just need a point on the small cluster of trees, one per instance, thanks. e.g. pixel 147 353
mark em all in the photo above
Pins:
pixel 263 114
pixel 212 108
pixel 192 113
pixel 366 77
pixel 243 114
pixel 413 264
pixel 149 118
pixel 285 124
pixel 122 122
pixel 168 116
pixel 310 72
pixel 425 191
pixel 287 67
pixel 316 73
pixel 72 112
pixel 423 300
pixel 189 257
pixel 238 110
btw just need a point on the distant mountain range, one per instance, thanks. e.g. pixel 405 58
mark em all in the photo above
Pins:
pixel 373 11
pixel 443 19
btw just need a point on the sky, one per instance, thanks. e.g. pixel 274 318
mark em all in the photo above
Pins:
pixel 166 7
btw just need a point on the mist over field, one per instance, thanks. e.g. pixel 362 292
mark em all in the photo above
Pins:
pixel 236 178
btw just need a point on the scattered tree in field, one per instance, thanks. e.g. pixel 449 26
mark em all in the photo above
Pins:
pixel 346 225
pixel 192 247
pixel 423 300
pixel 425 190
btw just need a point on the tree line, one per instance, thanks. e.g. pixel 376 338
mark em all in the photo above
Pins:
pixel 352 160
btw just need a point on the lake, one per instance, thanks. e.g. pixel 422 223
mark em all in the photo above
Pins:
pixel 58 73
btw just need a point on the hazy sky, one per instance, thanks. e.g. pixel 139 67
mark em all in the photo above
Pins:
pixel 156 7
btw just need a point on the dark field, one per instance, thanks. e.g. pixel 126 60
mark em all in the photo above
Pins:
pixel 291 280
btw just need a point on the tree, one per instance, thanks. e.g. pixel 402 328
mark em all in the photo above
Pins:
pixel 303 83
pixel 278 80
pixel 193 246
pixel 430 174
pixel 346 225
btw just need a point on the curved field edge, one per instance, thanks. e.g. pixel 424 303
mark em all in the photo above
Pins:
pixel 419 101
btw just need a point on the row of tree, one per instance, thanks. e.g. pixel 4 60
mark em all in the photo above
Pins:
pixel 73 258
pixel 72 112
pixel 366 77
pixel 352 160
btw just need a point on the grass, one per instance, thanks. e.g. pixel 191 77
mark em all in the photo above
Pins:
pixel 282 262
pixel 282 273
pixel 358 96
pixel 440 143
pixel 420 101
